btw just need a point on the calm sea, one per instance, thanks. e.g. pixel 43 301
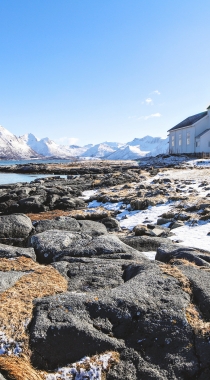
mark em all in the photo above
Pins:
pixel 6 178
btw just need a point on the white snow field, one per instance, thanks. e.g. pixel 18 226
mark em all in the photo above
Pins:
pixel 191 234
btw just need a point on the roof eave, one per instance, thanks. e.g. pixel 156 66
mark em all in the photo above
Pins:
pixel 188 126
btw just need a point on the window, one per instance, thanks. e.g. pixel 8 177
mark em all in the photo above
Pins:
pixel 180 139
pixel 209 144
pixel 172 140
pixel 188 138
pixel 197 143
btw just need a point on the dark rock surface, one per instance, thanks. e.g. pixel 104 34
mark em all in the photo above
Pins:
pixel 55 245
pixel 91 274
pixel 167 252
pixel 92 228
pixel 138 314
pixel 60 223
pixel 200 282
pixel 9 252
pixel 111 224
pixel 145 243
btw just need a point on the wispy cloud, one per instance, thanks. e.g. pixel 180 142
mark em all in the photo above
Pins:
pixel 148 101
pixel 156 92
pixel 67 140
pixel 150 116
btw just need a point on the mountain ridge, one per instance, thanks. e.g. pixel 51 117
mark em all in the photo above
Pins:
pixel 29 146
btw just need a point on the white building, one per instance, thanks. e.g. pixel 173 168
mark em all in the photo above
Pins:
pixel 192 135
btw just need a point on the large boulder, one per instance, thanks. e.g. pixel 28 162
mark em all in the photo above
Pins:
pixel 145 314
pixel 141 204
pixel 9 252
pixel 91 274
pixel 167 252
pixel 93 228
pixel 15 226
pixel 144 243
pixel 56 245
pixel 60 223
pixel 111 224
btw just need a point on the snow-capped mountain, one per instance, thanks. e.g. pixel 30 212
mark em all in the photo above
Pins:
pixel 47 147
pixel 12 147
pixel 126 152
pixel 146 146
pixel 29 146
pixel 161 148
pixel 98 150
pixel 77 151
pixel 113 145
pixel 148 143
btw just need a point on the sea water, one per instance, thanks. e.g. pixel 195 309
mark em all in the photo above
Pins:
pixel 6 178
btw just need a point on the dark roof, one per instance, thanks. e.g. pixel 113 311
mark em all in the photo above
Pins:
pixel 203 133
pixel 190 120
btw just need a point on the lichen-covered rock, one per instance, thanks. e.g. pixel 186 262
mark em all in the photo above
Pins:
pixel 146 314
pixel 167 252
pixel 60 223
pixel 15 226
pixel 8 279
pixel 56 245
pixel 10 252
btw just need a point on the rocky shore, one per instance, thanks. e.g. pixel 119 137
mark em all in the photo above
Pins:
pixel 105 274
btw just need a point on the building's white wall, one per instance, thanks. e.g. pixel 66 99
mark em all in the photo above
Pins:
pixel 194 131
pixel 184 148
pixel 204 142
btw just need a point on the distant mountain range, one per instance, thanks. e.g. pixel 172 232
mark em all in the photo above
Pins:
pixel 28 147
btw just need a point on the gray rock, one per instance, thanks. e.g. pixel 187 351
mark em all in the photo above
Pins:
pixel 15 226
pixel 8 279
pixel 144 243
pixel 33 204
pixel 140 230
pixel 61 223
pixel 139 204
pixel 164 221
pixel 111 224
pixel 55 245
pixel 135 368
pixel 123 370
pixel 92 228
pixel 2 377
pixel 138 314
pixel 166 252
pixel 177 224
pixel 91 274
pixel 200 283
pixel 8 252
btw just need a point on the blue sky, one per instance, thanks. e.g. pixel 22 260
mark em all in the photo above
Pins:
pixel 84 71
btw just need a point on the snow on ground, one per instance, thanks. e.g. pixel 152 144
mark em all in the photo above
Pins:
pixel 86 368
pixel 88 193
pixel 199 163
pixel 108 205
pixel 193 236
pixel 149 215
